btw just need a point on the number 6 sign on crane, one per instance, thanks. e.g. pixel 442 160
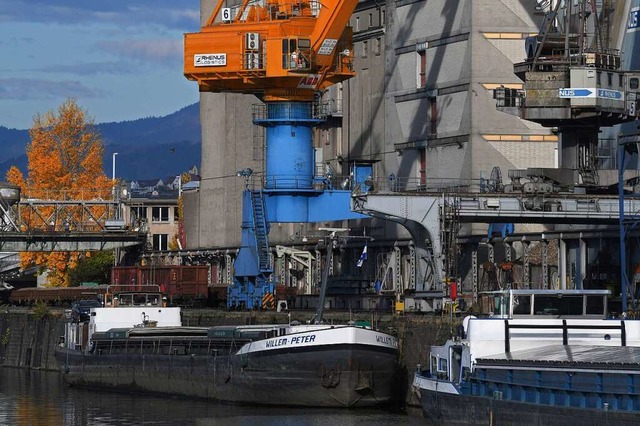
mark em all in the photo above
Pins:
pixel 226 14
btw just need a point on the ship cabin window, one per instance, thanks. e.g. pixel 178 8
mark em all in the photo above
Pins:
pixel 434 364
pixel 443 368
pixel 139 299
pixel 569 305
pixel 143 299
pixel 522 305
pixel 442 364
pixel 296 53
pixel 596 305
pixel 125 300
pixel 501 302
pixel 634 83
pixel 556 306
pixel 456 362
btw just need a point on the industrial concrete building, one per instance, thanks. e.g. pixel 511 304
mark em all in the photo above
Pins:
pixel 421 108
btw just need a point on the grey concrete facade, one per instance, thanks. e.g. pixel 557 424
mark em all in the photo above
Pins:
pixel 445 128
pixel 470 48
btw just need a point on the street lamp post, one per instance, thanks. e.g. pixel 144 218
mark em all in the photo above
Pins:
pixel 113 167
pixel 116 252
pixel 113 175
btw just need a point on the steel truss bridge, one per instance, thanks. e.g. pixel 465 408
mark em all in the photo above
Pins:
pixel 65 225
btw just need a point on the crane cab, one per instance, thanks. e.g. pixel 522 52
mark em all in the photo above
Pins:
pixel 272 48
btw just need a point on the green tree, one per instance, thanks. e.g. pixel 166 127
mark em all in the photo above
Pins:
pixel 93 267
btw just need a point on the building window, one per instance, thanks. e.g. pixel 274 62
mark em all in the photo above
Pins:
pixel 138 213
pixel 160 241
pixel 357 23
pixel 176 214
pixel 365 48
pixel 378 46
pixel 370 20
pixel 609 79
pixel 382 18
pixel 160 214
pixel 433 116
pixel 422 68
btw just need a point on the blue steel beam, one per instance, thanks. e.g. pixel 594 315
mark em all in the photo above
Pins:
pixel 291 193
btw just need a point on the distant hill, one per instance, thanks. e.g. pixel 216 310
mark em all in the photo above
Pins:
pixel 154 147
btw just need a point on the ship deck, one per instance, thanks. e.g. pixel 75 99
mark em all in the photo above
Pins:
pixel 570 357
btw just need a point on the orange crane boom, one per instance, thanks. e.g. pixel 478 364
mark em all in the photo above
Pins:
pixel 279 50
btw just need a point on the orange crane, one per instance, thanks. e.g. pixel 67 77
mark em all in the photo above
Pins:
pixel 283 52
pixel 278 50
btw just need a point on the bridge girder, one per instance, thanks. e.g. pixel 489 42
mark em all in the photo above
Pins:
pixel 73 241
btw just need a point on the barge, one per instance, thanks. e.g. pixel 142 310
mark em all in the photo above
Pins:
pixel 146 349
pixel 543 357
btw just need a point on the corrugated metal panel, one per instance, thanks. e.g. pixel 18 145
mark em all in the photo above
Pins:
pixel 601 355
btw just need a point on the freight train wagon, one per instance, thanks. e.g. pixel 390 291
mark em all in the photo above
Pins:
pixel 181 285
pixel 55 296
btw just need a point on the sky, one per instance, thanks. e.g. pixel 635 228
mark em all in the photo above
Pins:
pixel 120 60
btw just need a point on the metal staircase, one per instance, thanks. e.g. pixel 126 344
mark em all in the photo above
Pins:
pixel 261 231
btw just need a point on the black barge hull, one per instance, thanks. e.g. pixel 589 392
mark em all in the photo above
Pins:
pixel 348 376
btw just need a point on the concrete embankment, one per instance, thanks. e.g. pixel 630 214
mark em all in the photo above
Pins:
pixel 28 337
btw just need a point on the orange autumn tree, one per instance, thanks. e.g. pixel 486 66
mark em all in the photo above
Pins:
pixel 64 162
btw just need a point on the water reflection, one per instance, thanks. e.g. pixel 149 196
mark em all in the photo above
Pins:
pixel 41 398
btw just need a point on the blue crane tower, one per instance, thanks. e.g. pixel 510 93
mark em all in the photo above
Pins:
pixel 285 54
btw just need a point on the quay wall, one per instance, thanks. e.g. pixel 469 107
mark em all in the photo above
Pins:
pixel 28 338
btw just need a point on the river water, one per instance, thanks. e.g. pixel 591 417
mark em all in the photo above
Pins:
pixel 41 398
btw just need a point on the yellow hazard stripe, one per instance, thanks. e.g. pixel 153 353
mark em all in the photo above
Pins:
pixel 268 301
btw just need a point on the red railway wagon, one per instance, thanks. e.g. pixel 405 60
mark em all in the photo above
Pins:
pixel 181 285
pixel 57 296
